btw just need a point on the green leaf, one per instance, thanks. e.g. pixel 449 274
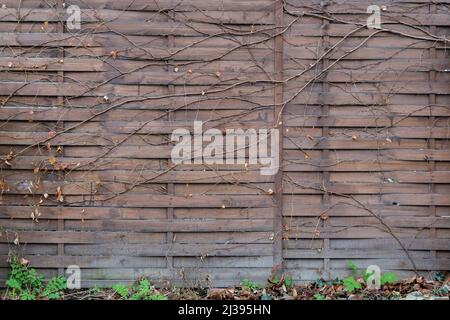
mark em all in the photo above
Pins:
pixel 13 284
pixel 27 284
pixel 351 284
pixel 54 296
pixel 121 290
pixel 28 296
pixel 288 281
pixel 250 285
pixel 388 277
pixel 353 267
pixel 54 287
pixel 144 285
pixel 368 274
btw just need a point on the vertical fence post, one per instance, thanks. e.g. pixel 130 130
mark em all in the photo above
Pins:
pixel 431 141
pixel 60 104
pixel 325 153
pixel 170 185
pixel 278 101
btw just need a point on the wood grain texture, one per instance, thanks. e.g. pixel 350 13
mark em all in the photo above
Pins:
pixel 86 118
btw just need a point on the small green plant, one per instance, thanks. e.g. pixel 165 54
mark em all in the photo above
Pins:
pixel 54 288
pixel 288 282
pixel 25 283
pixel 250 285
pixel 142 290
pixel 27 296
pixel 319 296
pixel 351 284
pixel 121 290
pixel 367 275
pixel 321 282
pixel 388 277
pixel 352 266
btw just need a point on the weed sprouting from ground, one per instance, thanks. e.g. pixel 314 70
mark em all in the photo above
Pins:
pixel 142 290
pixel 26 283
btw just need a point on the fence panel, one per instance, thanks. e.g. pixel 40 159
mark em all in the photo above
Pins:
pixel 87 114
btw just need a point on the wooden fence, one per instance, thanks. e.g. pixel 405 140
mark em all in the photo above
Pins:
pixel 87 115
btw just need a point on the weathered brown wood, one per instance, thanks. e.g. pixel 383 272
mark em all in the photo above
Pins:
pixel 86 118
